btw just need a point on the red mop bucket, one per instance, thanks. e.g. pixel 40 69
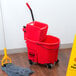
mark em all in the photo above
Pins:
pixel 42 48
pixel 45 52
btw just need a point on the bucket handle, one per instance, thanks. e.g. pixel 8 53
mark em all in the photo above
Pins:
pixel 46 48
pixel 30 11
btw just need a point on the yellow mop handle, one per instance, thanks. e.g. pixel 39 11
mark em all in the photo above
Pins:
pixel 6 58
pixel 5 51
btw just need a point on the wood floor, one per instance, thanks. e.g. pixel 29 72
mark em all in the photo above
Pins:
pixel 21 59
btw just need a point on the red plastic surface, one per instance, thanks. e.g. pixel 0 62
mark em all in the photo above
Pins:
pixel 28 5
pixel 36 31
pixel 45 52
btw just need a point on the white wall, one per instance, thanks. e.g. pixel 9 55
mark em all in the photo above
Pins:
pixel 14 19
pixel 1 34
pixel 60 15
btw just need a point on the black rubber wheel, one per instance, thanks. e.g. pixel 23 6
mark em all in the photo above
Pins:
pixel 30 62
pixel 57 61
pixel 49 66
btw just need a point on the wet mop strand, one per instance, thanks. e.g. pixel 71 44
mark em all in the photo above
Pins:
pixel 13 70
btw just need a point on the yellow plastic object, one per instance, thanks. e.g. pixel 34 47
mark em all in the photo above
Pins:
pixel 6 59
pixel 71 70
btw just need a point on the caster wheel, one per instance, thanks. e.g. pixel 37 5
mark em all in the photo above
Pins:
pixel 30 62
pixel 49 66
pixel 57 62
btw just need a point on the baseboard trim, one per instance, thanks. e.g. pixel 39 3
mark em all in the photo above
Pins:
pixel 64 46
pixel 13 51
pixel 20 50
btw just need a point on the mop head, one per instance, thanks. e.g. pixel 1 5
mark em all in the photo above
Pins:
pixel 13 70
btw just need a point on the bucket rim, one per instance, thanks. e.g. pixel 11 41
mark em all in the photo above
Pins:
pixel 44 43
